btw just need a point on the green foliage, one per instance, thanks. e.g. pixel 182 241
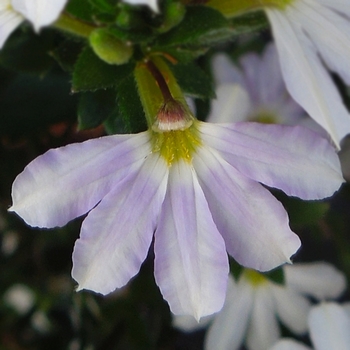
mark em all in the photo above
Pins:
pixel 91 73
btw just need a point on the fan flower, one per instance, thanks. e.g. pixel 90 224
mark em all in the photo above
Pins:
pixel 39 12
pixel 242 94
pixel 329 325
pixel 311 36
pixel 193 187
pixel 254 305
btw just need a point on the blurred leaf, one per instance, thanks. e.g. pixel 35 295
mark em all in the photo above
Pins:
pixel 250 22
pixel 201 26
pixel 193 80
pixel 81 9
pixel 95 107
pixel 276 275
pixel 91 73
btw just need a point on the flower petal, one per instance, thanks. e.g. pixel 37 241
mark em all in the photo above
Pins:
pixel 151 3
pixel 329 32
pixel 65 183
pixel 39 12
pixel 289 344
pixel 232 104
pixel 294 159
pixel 116 235
pixel 230 325
pixel 263 329
pixel 292 308
pixel 319 279
pixel 191 263
pixel 9 21
pixel 302 67
pixel 329 327
pixel 252 222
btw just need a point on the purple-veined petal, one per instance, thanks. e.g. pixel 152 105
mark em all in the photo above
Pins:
pixel 329 327
pixel 252 222
pixel 292 308
pixel 230 324
pixel 116 235
pixel 263 329
pixel 9 21
pixel 232 104
pixel 320 280
pixel 291 158
pixel 289 344
pixel 191 264
pixel 65 183
pixel 302 67
pixel 39 12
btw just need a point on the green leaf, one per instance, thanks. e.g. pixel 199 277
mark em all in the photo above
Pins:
pixel 193 80
pixel 95 107
pixel 250 22
pixel 91 73
pixel 129 116
pixel 81 9
pixel 201 26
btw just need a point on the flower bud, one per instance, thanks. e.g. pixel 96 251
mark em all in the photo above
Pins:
pixel 109 48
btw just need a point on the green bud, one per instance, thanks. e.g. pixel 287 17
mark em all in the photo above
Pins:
pixel 109 48
pixel 173 15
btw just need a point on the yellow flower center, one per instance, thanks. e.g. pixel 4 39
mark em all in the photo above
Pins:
pixel 174 145
pixel 254 277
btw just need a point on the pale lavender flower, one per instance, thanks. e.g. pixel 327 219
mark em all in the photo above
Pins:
pixel 39 12
pixel 329 325
pixel 195 191
pixel 311 36
pixel 254 305
pixel 253 91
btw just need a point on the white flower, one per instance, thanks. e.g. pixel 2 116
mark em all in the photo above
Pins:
pixel 253 91
pixel 195 190
pixel 311 36
pixel 254 304
pixel 329 325
pixel 39 12
pixel 153 4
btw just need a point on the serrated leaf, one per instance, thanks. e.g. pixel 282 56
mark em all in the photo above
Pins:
pixel 129 115
pixel 91 73
pixel 193 80
pixel 95 107
pixel 201 26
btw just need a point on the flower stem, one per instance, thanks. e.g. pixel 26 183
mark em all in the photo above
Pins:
pixel 74 26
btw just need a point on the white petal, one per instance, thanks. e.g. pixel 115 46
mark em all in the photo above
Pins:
pixel 289 344
pixel 188 323
pixel 302 67
pixel 191 263
pixel 294 159
pixel 320 279
pixel 292 308
pixel 225 72
pixel 65 183
pixel 116 235
pixel 329 32
pixel 253 223
pixel 9 21
pixel 151 3
pixel 230 324
pixel 329 327
pixel 263 329
pixel 40 12
pixel 232 104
